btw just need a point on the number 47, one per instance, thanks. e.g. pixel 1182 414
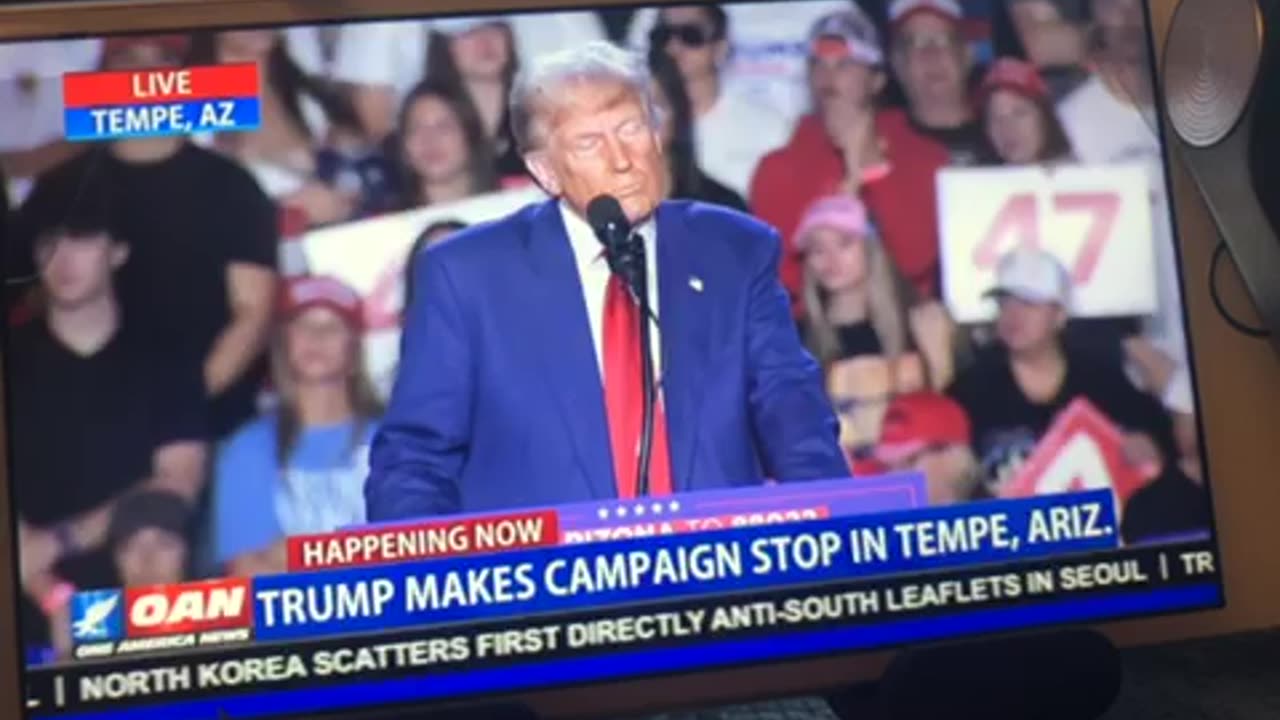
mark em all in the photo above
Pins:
pixel 1018 224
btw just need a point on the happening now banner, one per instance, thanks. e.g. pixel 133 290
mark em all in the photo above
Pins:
pixel 1097 220
pixel 563 578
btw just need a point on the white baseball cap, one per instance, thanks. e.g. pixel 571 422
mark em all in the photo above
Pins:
pixel 847 33
pixel 1033 275
pixel 900 10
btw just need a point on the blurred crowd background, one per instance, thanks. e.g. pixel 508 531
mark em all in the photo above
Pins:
pixel 185 392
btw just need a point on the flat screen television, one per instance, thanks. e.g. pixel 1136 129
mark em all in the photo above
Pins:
pixel 431 358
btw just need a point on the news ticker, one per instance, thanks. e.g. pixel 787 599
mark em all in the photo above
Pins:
pixel 442 653
pixel 571 577
pixel 158 102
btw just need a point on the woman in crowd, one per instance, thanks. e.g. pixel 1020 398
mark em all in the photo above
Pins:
pixel 685 180
pixel 850 292
pixel 476 59
pixel 444 153
pixel 301 467
pixel 1018 117
pixel 308 152
pixel 852 297
pixel 855 320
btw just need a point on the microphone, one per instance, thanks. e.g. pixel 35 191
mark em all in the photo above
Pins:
pixel 613 229
pixel 624 251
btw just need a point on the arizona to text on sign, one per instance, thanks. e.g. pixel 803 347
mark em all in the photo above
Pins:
pixel 136 87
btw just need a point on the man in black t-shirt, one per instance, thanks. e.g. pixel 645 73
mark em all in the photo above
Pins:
pixel 203 240
pixel 1015 389
pixel 97 408
pixel 932 61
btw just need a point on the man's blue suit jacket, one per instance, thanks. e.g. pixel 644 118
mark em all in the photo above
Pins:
pixel 499 402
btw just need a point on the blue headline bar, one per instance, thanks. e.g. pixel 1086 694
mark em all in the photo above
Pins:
pixel 601 574
pixel 160 119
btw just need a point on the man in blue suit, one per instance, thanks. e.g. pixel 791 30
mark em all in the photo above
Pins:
pixel 509 391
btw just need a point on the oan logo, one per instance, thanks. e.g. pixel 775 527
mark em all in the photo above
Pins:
pixel 96 616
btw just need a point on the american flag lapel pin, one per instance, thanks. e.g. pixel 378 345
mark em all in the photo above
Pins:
pixel 695 282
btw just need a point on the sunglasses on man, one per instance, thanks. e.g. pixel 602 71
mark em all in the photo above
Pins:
pixel 692 36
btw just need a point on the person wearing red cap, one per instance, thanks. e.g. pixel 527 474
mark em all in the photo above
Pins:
pixel 1018 116
pixel 932 60
pixel 203 244
pixel 930 433
pixel 300 468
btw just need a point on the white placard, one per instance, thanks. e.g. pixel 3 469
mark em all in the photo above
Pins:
pixel 369 255
pixel 1097 220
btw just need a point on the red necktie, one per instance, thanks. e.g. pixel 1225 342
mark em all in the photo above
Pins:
pixel 624 396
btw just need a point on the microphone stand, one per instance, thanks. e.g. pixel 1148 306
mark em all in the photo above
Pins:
pixel 637 277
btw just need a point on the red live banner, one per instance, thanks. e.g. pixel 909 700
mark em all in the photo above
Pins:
pixel 419 541
pixel 162 85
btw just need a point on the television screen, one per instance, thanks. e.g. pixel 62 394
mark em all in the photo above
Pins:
pixel 443 358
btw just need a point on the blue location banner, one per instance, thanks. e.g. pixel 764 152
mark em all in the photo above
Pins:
pixel 160 119
pixel 569 577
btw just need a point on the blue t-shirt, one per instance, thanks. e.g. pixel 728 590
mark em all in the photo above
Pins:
pixel 256 503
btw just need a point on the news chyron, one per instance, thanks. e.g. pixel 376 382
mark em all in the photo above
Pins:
pixel 161 619
pixel 493 601
pixel 161 102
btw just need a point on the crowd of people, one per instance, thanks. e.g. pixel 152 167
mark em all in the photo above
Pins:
pixel 152 309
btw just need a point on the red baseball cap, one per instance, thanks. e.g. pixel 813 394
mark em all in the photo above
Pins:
pixel 175 43
pixel 915 421
pixel 901 10
pixel 310 291
pixel 1019 76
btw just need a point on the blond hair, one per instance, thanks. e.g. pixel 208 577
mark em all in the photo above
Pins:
pixel 885 307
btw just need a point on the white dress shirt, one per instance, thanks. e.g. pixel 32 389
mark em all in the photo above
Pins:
pixel 593 272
